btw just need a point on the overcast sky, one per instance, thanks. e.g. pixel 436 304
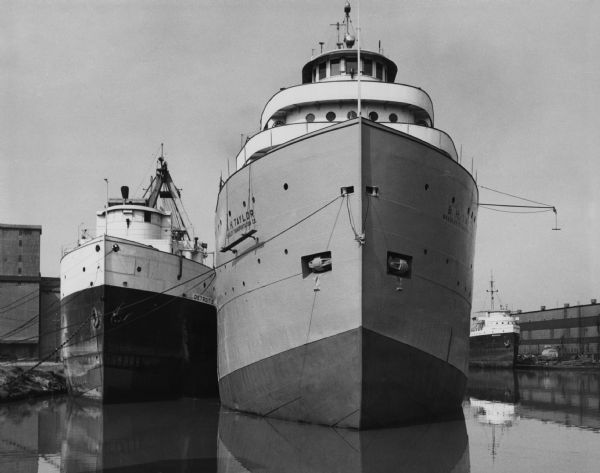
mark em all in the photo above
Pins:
pixel 89 90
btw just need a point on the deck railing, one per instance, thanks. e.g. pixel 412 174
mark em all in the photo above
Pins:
pixel 264 140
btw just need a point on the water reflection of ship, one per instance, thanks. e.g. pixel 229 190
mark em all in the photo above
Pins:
pixel 251 443
pixel 498 415
pixel 166 436
pixel 30 439
pixel 564 397
pixel 493 397
pixel 493 385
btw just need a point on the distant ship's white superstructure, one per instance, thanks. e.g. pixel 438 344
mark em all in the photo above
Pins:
pixel 494 338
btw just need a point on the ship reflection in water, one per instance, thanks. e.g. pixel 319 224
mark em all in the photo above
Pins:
pixel 534 421
pixel 189 435
pixel 257 444
pixel 514 421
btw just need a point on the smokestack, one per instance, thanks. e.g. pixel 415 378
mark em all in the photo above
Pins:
pixel 125 192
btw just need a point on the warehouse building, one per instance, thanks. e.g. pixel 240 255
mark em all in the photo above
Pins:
pixel 25 295
pixel 574 330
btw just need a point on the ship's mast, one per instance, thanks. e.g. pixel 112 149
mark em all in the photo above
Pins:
pixel 162 186
pixel 358 54
pixel 492 291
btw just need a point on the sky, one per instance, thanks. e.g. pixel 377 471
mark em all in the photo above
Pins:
pixel 89 90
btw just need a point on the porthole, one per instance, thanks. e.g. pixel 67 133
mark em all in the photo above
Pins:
pixel 285 186
pixel 84 269
pixel 258 260
pixel 252 199
pixel 426 186
pixel 244 203
pixel 330 116
pixel 285 251
pixel 230 213
pixel 244 283
pixel 139 269
pixel 453 199
pixel 425 251
pixel 97 247
pixel 393 117
pixel 310 117
pixel 351 115
pixel 373 116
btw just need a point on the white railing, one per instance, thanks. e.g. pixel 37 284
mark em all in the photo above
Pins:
pixel 264 140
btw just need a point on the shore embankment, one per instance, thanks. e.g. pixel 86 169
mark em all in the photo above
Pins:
pixel 559 365
pixel 25 379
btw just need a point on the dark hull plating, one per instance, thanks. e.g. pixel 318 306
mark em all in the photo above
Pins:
pixel 494 351
pixel 341 381
pixel 124 344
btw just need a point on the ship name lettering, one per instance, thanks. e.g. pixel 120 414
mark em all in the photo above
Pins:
pixel 454 220
pixel 240 222
pixel 201 298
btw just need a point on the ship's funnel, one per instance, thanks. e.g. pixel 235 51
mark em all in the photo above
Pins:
pixel 125 192
pixel 349 40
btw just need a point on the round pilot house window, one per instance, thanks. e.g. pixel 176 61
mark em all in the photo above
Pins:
pixel 330 116
pixel 310 117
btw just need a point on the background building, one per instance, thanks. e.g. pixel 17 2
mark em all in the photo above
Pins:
pixel 575 330
pixel 24 294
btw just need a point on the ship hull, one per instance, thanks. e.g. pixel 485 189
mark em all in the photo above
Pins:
pixel 129 343
pixel 494 350
pixel 357 346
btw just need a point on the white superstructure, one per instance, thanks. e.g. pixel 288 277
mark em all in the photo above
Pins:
pixel 494 322
pixel 328 95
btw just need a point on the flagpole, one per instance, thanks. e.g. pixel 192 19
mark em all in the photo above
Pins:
pixel 358 53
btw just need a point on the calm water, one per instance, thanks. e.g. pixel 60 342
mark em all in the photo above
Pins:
pixel 530 421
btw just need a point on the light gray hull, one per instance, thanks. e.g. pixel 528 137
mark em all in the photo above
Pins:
pixel 355 346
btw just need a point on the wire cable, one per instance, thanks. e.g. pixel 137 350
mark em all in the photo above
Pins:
pixel 36 291
pixel 515 196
